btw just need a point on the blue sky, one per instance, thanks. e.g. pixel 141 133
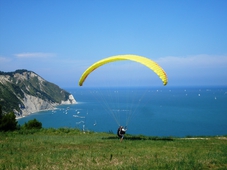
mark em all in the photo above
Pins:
pixel 59 39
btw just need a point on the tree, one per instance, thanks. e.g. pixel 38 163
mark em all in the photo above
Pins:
pixel 7 121
pixel 0 113
pixel 33 124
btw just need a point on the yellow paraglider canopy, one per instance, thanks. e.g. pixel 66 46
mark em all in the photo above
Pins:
pixel 145 61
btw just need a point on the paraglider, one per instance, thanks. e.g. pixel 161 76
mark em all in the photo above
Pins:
pixel 145 61
pixel 120 132
pixel 153 66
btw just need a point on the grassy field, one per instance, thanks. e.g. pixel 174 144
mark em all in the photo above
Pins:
pixel 73 149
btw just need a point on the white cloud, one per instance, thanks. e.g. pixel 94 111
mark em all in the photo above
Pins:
pixel 198 69
pixel 34 55
pixel 5 63
pixel 193 61
pixel 4 59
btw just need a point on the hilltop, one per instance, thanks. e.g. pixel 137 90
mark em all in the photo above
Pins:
pixel 25 92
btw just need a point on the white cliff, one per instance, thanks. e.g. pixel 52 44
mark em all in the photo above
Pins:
pixel 71 100
pixel 34 104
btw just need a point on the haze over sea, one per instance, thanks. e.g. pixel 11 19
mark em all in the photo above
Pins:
pixel 161 111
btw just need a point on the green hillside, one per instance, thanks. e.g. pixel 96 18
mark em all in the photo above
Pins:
pixel 14 86
pixel 73 149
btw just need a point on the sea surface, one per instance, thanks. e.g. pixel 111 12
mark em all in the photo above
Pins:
pixel 156 111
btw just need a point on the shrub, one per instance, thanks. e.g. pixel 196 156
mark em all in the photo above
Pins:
pixel 33 124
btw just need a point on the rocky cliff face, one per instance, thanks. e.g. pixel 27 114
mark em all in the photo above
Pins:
pixel 25 92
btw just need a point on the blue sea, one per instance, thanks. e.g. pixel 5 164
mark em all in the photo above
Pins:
pixel 156 111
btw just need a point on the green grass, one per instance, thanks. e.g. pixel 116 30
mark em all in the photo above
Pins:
pixel 73 149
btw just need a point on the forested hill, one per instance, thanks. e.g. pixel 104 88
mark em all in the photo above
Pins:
pixel 25 92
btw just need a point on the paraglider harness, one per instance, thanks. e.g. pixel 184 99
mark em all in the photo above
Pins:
pixel 121 132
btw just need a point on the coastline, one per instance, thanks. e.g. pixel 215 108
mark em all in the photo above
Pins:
pixel 54 108
pixel 22 116
pixel 35 105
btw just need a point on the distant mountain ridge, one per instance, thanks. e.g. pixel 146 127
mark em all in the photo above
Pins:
pixel 25 92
